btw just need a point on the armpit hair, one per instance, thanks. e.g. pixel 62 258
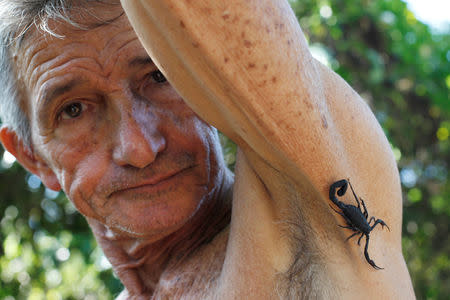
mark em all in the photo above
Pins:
pixel 306 277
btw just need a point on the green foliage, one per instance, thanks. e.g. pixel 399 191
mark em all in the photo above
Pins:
pixel 47 250
pixel 402 70
pixel 389 57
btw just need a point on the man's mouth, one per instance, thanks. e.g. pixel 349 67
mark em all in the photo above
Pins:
pixel 153 183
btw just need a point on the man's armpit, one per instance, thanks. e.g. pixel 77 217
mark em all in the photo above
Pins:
pixel 306 278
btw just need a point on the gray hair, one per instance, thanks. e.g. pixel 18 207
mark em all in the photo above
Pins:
pixel 17 17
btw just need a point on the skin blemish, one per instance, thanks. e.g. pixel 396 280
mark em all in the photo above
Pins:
pixel 274 79
pixel 247 43
pixel 226 59
pixel 265 67
pixel 226 15
pixel 262 83
pixel 207 11
pixel 251 65
pixel 308 104
pixel 195 44
pixel 182 24
pixel 324 122
pixel 279 26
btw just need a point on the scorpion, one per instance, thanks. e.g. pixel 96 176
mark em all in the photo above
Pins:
pixel 356 218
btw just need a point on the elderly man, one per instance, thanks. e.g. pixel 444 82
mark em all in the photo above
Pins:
pixel 86 107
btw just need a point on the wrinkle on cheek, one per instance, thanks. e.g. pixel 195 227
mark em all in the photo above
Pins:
pixel 78 168
pixel 80 198
pixel 84 186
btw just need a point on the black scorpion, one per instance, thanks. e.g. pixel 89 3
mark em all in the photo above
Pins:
pixel 356 219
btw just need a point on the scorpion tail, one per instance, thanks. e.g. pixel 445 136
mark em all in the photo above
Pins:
pixel 341 187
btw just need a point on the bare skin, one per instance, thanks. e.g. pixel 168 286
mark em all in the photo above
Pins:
pixel 147 172
pixel 128 152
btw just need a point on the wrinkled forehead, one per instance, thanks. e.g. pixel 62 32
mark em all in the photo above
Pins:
pixel 97 34
pixel 70 24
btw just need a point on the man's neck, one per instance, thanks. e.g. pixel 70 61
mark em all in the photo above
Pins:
pixel 152 259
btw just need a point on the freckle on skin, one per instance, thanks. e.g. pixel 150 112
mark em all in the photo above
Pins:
pixel 247 43
pixel 308 104
pixel 225 59
pixel 265 67
pixel 182 24
pixel 274 79
pixel 195 44
pixel 251 65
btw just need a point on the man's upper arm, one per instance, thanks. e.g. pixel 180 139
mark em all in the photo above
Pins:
pixel 244 66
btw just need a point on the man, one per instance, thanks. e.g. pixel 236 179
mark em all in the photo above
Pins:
pixel 100 121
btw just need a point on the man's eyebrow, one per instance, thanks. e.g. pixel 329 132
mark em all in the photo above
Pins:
pixel 58 90
pixel 140 61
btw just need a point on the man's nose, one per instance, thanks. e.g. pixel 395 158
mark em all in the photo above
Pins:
pixel 137 146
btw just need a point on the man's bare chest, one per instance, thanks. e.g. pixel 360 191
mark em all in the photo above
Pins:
pixel 198 277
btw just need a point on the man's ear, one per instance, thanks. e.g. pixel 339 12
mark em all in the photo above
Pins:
pixel 28 159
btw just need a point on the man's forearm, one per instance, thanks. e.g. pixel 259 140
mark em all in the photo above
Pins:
pixel 244 66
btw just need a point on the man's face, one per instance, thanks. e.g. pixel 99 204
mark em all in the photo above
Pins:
pixel 122 143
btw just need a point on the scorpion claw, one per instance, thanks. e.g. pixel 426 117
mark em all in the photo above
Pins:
pixel 372 263
pixel 375 266
pixel 384 224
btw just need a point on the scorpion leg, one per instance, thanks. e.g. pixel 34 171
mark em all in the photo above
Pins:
pixel 379 221
pixel 356 233
pixel 334 209
pixel 338 212
pixel 366 254
pixel 366 214
pixel 347 227
pixel 359 240
pixel 371 219
pixel 346 219
pixel 349 223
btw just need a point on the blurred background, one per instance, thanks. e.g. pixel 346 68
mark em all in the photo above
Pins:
pixel 390 52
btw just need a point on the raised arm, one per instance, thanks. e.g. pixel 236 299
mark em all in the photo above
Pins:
pixel 244 66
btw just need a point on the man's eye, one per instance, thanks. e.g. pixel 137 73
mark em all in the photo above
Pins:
pixel 73 110
pixel 158 77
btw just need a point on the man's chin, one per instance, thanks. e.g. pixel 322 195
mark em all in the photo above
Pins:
pixel 150 222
